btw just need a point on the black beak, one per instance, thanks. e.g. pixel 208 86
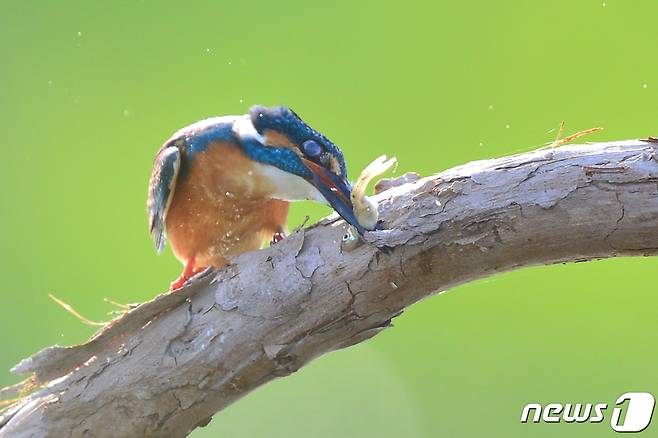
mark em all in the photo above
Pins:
pixel 336 190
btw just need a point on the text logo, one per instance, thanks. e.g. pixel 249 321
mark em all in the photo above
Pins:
pixel 632 412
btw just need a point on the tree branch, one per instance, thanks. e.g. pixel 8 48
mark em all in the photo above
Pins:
pixel 167 366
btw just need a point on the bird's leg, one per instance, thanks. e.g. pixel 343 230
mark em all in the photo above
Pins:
pixel 188 273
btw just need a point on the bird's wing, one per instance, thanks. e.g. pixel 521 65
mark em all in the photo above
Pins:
pixel 161 192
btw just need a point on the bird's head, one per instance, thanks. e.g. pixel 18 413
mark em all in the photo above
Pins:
pixel 311 165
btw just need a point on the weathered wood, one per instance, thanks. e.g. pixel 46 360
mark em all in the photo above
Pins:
pixel 167 366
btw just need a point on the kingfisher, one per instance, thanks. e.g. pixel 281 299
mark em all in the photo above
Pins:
pixel 222 186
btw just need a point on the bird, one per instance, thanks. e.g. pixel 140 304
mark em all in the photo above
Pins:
pixel 222 186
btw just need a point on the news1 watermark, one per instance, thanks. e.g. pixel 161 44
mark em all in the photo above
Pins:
pixel 632 412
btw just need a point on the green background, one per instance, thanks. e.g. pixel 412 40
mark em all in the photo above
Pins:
pixel 89 91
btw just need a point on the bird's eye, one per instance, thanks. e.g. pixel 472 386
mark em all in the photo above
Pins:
pixel 311 148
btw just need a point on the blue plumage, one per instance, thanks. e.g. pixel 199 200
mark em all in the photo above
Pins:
pixel 200 135
pixel 161 188
pixel 285 120
pixel 281 157
pixel 197 137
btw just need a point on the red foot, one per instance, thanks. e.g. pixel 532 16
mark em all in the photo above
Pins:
pixel 189 272
pixel 180 281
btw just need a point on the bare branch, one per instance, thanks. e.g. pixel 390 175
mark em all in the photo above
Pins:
pixel 168 365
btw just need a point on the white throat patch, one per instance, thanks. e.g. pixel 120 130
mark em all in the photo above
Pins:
pixel 286 186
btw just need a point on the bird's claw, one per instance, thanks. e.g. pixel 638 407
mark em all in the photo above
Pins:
pixel 187 274
pixel 179 283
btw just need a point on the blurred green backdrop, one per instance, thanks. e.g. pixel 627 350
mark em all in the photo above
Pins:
pixel 89 91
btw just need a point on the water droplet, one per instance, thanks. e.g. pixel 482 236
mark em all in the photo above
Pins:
pixel 644 85
pixel 490 107
pixel 604 4
pixel 79 33
pixel 241 101
pixel 126 113
pixel 507 126
pixel 481 144
pixel 207 50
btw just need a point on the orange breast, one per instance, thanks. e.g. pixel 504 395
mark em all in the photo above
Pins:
pixel 220 207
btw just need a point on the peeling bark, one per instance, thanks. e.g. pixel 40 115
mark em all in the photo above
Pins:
pixel 168 365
